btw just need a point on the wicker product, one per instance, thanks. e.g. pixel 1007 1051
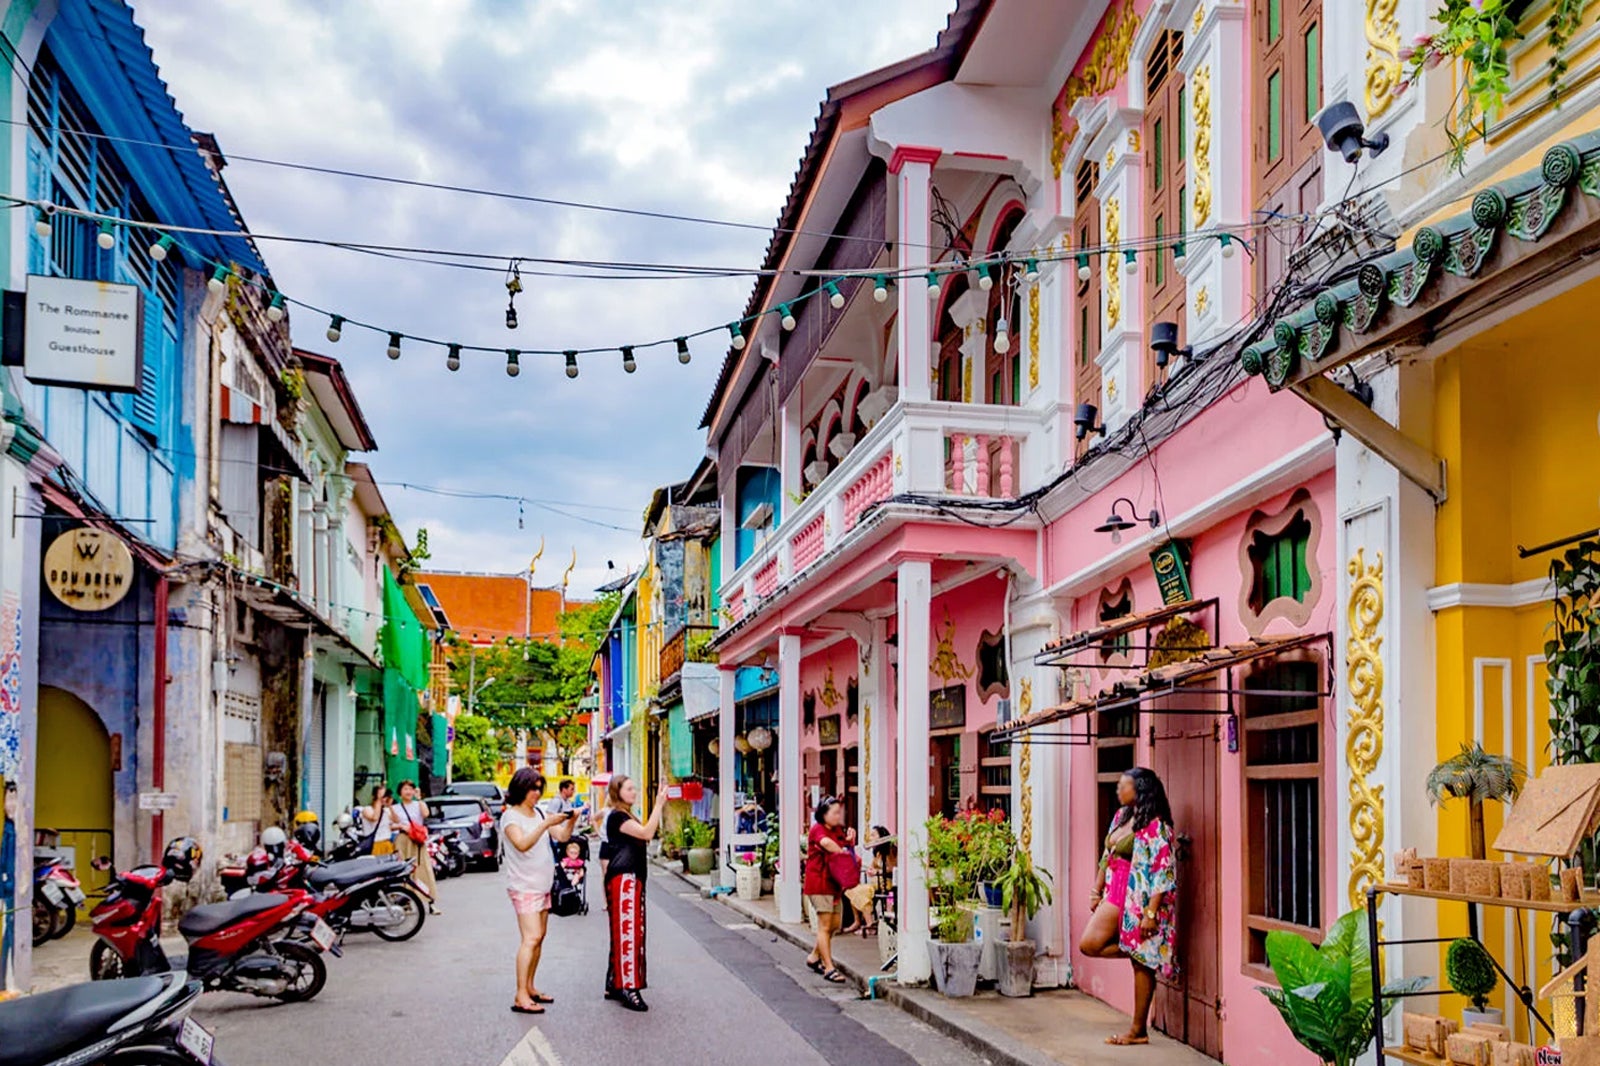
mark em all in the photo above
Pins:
pixel 1538 881
pixel 1468 1048
pixel 1427 1032
pixel 1514 880
pixel 1480 877
pixel 1498 1033
pixel 1512 1054
pixel 1436 875
pixel 1458 876
pixel 1408 868
pixel 1572 884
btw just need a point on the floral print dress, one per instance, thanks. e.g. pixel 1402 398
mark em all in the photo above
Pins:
pixel 1154 870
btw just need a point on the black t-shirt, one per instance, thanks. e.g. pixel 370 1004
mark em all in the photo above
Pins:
pixel 627 852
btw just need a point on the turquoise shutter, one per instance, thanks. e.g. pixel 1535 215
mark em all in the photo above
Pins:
pixel 145 407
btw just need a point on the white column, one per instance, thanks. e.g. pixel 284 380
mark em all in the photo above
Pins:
pixel 915 581
pixel 789 454
pixel 726 774
pixel 1033 688
pixel 791 818
pixel 885 757
pixel 913 168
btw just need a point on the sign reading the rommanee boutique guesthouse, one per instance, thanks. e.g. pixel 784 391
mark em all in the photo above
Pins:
pixel 83 334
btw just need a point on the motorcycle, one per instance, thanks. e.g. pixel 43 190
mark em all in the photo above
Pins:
pixel 356 895
pixel 136 1022
pixel 56 896
pixel 449 853
pixel 266 945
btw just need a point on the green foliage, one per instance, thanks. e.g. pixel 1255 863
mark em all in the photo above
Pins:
pixel 952 924
pixel 1470 971
pixel 672 842
pixel 698 834
pixel 1475 776
pixel 475 753
pixel 1572 654
pixel 1324 994
pixel 1024 888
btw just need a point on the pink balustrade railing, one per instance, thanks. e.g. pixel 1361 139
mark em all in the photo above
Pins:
pixel 806 546
pixel 735 604
pixel 876 484
pixel 766 579
pixel 989 471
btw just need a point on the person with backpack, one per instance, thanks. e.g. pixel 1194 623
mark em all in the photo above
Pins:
pixel 410 819
pixel 526 832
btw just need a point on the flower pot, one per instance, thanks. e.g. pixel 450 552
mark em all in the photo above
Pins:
pixel 701 861
pixel 1016 975
pixel 955 967
pixel 989 894
pixel 767 884
pixel 1492 1016
pixel 747 882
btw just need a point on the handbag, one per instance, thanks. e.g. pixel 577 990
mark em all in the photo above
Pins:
pixel 417 833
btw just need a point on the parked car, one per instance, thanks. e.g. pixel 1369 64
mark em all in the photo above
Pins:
pixel 487 790
pixel 471 818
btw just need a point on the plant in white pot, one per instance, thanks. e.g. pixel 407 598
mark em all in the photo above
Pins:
pixel 747 875
pixel 954 953
pixel 1471 973
pixel 1024 888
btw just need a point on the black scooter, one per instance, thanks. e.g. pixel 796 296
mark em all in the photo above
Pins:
pixel 140 1021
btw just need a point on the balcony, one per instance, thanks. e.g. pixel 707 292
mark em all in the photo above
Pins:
pixel 934 448
pixel 686 644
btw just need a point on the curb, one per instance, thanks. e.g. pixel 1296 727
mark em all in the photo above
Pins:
pixel 996 1047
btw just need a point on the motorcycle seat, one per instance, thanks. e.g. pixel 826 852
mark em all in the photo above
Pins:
pixel 210 917
pixel 45 1026
pixel 350 872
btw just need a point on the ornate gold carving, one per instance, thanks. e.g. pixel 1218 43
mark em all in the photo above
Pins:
pixel 1107 61
pixel 1133 140
pixel 946 665
pixel 1202 300
pixel 1180 641
pixel 1199 16
pixel 1111 157
pixel 1058 142
pixel 966 379
pixel 866 734
pixel 1364 735
pixel 1033 337
pixel 898 466
pixel 1113 276
pixel 1111 388
pixel 1383 56
pixel 1200 94
pixel 1025 698
pixel 1025 767
pixel 830 692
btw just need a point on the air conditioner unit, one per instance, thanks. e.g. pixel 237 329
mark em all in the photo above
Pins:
pixel 758 519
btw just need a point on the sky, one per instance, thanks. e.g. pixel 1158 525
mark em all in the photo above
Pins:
pixel 690 107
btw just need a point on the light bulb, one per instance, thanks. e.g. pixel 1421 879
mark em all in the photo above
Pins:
pixel 628 363
pixel 738 336
pixel 1130 265
pixel 453 360
pixel 158 250
pixel 572 363
pixel 394 346
pixel 1179 258
pixel 1227 246
pixel 1030 270
pixel 513 367
pixel 275 308
pixel 41 224
pixel 1002 337
pixel 1083 266
pixel 108 236
pixel 219 279
pixel 787 321
pixel 511 316
pixel 835 297
pixel 335 327
pixel 1116 536
pixel 683 350
pixel 986 279
pixel 933 285
pixel 880 288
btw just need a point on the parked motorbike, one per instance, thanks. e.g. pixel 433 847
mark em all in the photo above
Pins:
pixel 263 945
pixel 141 1021
pixel 56 896
pixel 449 853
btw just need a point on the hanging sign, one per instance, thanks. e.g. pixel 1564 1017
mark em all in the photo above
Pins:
pixel 88 569
pixel 1172 573
pixel 947 707
pixel 82 334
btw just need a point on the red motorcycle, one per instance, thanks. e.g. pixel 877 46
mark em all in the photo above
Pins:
pixel 375 895
pixel 264 945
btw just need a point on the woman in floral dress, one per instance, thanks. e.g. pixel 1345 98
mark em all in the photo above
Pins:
pixel 1133 896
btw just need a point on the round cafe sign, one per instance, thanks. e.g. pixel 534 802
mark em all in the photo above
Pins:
pixel 88 569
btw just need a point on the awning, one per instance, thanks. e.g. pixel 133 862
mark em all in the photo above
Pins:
pixel 64 501
pixel 286 608
pixel 702 690
pixel 1174 679
pixel 1061 652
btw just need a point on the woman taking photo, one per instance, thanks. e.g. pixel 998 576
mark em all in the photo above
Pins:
pixel 828 843
pixel 530 865
pixel 624 883
pixel 1133 895
pixel 410 819
pixel 377 821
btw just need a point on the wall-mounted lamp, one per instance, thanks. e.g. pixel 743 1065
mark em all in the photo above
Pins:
pixel 1164 342
pixel 1115 523
pixel 1084 421
pixel 1344 132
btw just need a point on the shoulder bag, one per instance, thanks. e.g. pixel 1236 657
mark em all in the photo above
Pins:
pixel 417 832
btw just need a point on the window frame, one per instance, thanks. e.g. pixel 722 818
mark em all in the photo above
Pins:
pixel 1297 613
pixel 1086 293
pixel 1166 183
pixel 1289 183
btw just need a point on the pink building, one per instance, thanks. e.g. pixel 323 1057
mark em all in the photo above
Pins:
pixel 999 504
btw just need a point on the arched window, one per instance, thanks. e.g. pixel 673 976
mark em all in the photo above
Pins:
pixel 1002 379
pixel 948 372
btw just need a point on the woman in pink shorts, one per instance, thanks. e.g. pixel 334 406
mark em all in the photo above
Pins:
pixel 530 865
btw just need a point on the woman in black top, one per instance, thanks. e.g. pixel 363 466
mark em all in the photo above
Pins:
pixel 625 878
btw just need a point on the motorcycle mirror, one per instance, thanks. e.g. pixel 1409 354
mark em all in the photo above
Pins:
pixel 100 862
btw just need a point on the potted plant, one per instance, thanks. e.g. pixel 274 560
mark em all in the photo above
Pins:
pixel 1471 973
pixel 700 844
pixel 1477 777
pixel 672 843
pixel 1024 888
pixel 954 953
pixel 1324 993
pixel 747 875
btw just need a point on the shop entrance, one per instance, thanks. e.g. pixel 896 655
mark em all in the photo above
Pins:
pixel 944 773
pixel 74 797
pixel 1185 757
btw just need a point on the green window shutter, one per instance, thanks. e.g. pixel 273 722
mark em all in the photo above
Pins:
pixel 1161 251
pixel 1275 115
pixel 1274 20
pixel 1313 44
pixel 1182 145
pixel 1158 148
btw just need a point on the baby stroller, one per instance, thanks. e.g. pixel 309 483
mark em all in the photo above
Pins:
pixel 566 898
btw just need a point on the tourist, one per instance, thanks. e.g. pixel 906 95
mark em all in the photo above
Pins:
pixel 625 874
pixel 530 865
pixel 377 821
pixel 410 817
pixel 828 843
pixel 1133 901
pixel 573 863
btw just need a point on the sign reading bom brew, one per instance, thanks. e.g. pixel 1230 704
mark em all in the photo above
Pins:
pixel 82 334
pixel 88 569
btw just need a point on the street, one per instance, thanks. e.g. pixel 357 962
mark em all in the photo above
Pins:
pixel 721 991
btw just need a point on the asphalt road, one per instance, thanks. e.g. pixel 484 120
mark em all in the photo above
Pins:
pixel 721 992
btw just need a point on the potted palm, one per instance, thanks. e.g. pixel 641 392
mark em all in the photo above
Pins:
pixel 700 846
pixel 1024 888
pixel 1477 777
pixel 954 953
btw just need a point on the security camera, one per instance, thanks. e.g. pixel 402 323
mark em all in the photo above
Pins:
pixel 1344 132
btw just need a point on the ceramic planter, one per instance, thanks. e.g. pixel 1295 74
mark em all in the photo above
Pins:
pixel 747 882
pixel 955 967
pixel 701 861
pixel 1016 971
pixel 1492 1016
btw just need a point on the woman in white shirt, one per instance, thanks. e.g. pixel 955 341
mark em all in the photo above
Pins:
pixel 411 811
pixel 530 866
pixel 377 821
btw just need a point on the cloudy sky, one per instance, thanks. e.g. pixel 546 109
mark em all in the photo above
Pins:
pixel 692 107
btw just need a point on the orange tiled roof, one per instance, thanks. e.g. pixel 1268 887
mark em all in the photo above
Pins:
pixel 486 607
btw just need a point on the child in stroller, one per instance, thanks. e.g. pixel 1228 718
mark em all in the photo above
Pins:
pixel 570 892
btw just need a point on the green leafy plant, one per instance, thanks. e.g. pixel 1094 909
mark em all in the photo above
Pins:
pixel 1324 993
pixel 698 834
pixel 1024 888
pixel 672 842
pixel 1470 971
pixel 1572 657
pixel 1476 776
pixel 952 924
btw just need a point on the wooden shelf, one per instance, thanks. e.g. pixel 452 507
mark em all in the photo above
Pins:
pixel 1418 1058
pixel 1551 906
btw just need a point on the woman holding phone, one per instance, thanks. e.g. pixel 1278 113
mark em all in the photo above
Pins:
pixel 624 881
pixel 530 865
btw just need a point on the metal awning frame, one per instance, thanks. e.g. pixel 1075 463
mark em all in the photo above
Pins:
pixel 1091 641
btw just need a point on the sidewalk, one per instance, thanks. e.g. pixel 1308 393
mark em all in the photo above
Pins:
pixel 1052 1028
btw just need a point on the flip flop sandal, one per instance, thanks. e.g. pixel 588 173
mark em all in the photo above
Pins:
pixel 540 997
pixel 526 1010
pixel 834 977
pixel 814 965
pixel 1123 1040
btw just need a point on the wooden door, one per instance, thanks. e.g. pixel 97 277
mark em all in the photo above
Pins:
pixel 1086 296
pixel 1287 149
pixel 1166 197
pixel 1185 757
pixel 944 775
pixel 829 776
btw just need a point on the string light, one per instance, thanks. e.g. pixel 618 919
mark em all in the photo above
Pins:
pixel 628 363
pixel 107 238
pixel 738 336
pixel 41 223
pixel 933 285
pixel 1002 336
pixel 787 319
pixel 1129 264
pixel 986 278
pixel 1030 270
pixel 683 350
pixel 572 363
pixel 219 279
pixel 453 360
pixel 394 345
pixel 159 250
pixel 513 367
pixel 1179 258
pixel 1227 245
pixel 835 297
pixel 511 316
pixel 275 308
pixel 1083 266
pixel 880 288
pixel 335 327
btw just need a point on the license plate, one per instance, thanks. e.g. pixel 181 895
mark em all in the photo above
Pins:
pixel 322 935
pixel 194 1039
pixel 75 895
